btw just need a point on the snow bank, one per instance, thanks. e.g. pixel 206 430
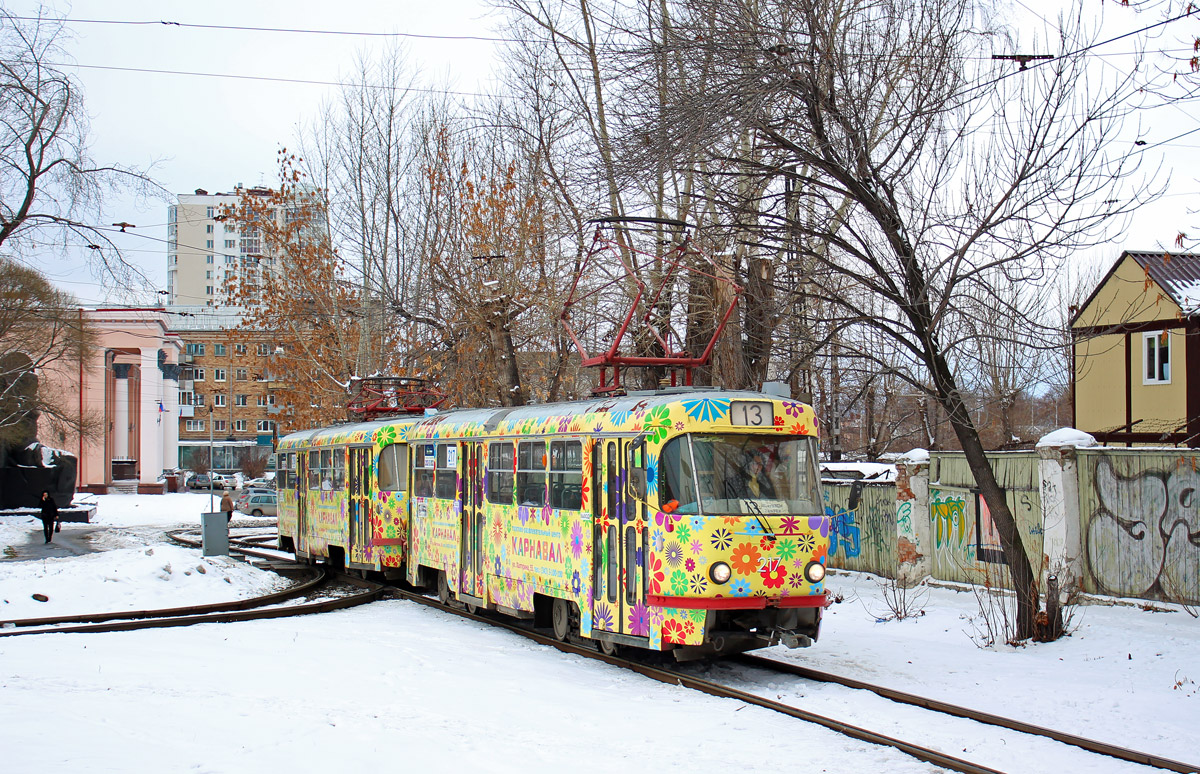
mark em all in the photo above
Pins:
pixel 127 579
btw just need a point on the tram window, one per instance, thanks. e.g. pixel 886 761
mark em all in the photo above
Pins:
pixel 446 482
pixel 423 459
pixel 531 473
pixel 500 473
pixel 339 468
pixel 566 475
pixel 327 470
pixel 314 470
pixel 393 468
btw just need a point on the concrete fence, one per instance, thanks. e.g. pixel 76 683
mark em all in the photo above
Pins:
pixel 1124 522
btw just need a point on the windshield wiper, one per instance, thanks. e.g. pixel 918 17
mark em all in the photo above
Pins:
pixel 757 513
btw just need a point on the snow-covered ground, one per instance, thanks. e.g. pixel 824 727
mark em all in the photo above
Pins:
pixel 397 686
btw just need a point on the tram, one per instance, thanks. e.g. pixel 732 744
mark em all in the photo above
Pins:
pixel 677 520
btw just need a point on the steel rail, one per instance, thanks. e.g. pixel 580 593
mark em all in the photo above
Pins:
pixel 254 608
pixel 324 606
pixel 935 705
pixel 721 691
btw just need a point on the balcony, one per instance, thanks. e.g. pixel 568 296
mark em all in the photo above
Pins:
pixel 187 412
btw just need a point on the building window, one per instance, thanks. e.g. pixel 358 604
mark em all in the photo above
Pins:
pixel 198 399
pixel 209 212
pixel 194 425
pixel 241 373
pixel 266 400
pixel 209 228
pixel 219 400
pixel 208 290
pixel 228 228
pixel 264 350
pixel 220 350
pixel 229 244
pixel 1156 355
pixel 219 425
pixel 230 259
pixel 208 243
pixel 218 374
pixel 239 349
pixel 265 425
pixel 239 400
pixel 208 259
pixel 208 275
pixel 185 399
pixel 197 374
pixel 239 425
pixel 196 349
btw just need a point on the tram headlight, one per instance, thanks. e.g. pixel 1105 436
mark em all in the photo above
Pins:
pixel 719 573
pixel 814 572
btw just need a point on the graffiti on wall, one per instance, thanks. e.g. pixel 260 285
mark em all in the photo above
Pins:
pixel 1144 536
pixel 843 531
pixel 947 511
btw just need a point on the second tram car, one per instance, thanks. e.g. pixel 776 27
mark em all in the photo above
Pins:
pixel 689 522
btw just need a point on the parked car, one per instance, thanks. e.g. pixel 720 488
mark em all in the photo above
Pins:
pixel 258 505
pixel 199 481
pixel 222 481
pixel 245 495
pixel 261 483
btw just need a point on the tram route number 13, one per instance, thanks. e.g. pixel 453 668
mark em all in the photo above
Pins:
pixel 752 413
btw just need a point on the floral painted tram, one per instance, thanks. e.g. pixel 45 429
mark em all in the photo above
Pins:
pixel 683 521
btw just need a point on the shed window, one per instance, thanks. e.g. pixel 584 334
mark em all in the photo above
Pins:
pixel 1156 349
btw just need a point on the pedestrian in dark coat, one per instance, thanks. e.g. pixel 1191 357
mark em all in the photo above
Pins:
pixel 49 514
pixel 227 506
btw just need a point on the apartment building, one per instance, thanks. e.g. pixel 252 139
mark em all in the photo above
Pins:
pixel 227 392
pixel 205 248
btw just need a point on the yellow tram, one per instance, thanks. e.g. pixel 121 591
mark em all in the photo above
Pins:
pixel 688 521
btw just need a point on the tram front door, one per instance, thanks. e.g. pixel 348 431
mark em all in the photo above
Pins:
pixel 619 539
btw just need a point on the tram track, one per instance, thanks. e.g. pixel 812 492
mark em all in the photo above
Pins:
pixel 677 676
pixel 316 581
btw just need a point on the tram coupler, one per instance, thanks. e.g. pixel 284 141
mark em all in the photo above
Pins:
pixel 790 638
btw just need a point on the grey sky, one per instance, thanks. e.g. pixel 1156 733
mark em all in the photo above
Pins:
pixel 214 132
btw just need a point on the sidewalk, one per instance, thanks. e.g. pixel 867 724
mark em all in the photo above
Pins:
pixel 74 540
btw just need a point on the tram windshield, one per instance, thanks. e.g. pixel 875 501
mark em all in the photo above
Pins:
pixel 742 474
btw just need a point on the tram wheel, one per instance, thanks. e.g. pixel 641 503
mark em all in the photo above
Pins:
pixel 560 619
pixel 609 648
pixel 472 608
pixel 443 589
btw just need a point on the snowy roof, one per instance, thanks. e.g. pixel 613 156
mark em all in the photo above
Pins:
pixel 858 471
pixel 1176 273
pixel 204 318
pixel 1066 436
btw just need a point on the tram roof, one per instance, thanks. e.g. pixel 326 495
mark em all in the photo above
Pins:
pixel 491 417
pixel 315 436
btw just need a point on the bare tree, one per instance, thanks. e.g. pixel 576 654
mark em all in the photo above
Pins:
pixel 931 178
pixel 41 331
pixel 49 184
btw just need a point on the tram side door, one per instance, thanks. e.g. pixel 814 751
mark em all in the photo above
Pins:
pixel 634 531
pixel 471 530
pixel 619 537
pixel 359 502
pixel 302 501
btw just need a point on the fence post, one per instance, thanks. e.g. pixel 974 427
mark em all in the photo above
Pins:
pixel 1062 547
pixel 913 546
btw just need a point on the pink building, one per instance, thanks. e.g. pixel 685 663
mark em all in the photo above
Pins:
pixel 132 383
